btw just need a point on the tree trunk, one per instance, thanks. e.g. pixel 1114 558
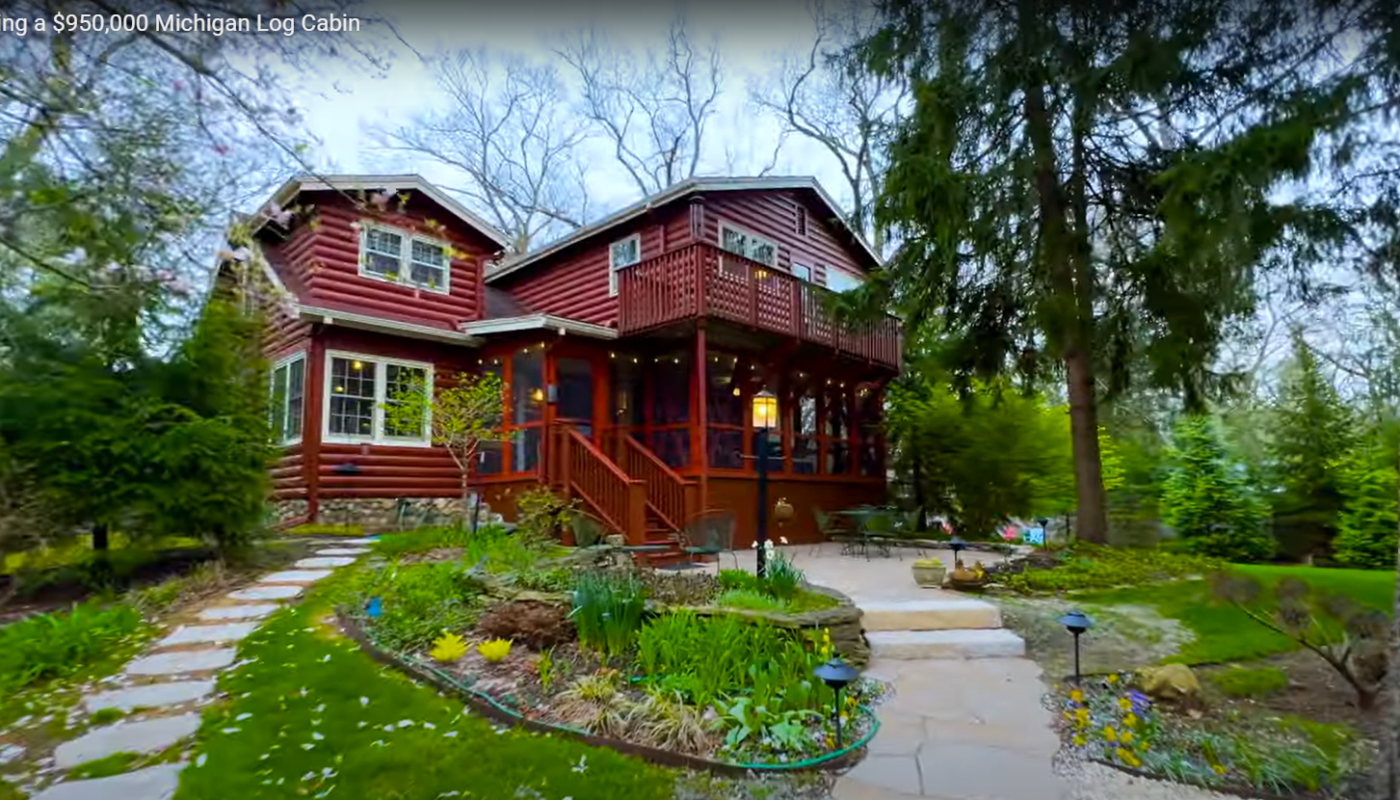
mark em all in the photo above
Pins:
pixel 1386 783
pixel 100 541
pixel 1063 254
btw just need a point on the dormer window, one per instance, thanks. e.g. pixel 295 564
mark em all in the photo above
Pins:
pixel 401 257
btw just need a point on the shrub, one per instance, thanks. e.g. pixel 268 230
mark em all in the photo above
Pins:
pixel 1207 500
pixel 1250 682
pixel 421 602
pixel 1368 521
pixel 540 513
pixel 536 625
pixel 607 610
pixel 1089 566
pixel 59 645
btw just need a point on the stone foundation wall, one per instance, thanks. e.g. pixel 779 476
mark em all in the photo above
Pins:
pixel 382 514
pixel 287 510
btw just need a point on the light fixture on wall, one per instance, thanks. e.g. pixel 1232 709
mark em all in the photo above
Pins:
pixel 537 395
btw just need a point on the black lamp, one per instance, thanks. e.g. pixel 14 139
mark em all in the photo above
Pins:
pixel 765 418
pixel 1076 622
pixel 957 545
pixel 838 675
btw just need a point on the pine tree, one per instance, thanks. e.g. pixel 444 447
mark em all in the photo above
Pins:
pixel 1206 499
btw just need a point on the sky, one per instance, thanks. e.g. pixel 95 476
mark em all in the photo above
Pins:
pixel 752 38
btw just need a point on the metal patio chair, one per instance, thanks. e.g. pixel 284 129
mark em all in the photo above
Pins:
pixel 710 534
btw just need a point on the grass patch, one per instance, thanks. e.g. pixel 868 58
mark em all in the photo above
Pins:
pixel 105 716
pixel 502 550
pixel 754 600
pixel 1224 633
pixel 115 764
pixel 324 529
pixel 309 712
pixel 1086 566
pixel 56 645
pixel 1250 681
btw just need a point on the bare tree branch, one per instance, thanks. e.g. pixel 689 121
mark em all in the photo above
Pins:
pixel 653 109
pixel 510 136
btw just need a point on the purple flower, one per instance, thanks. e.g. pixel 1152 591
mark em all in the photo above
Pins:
pixel 1139 700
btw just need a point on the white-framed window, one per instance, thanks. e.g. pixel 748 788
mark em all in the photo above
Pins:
pixel 802 272
pixel 838 281
pixel 749 245
pixel 357 389
pixel 622 253
pixel 402 257
pixel 287 393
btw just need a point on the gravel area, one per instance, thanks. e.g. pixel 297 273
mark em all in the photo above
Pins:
pixel 1090 781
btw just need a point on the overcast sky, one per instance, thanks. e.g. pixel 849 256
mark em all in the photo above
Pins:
pixel 752 36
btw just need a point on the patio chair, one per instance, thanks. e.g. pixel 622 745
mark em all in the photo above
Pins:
pixel 877 531
pixel 828 528
pixel 710 534
pixel 588 531
pixel 908 530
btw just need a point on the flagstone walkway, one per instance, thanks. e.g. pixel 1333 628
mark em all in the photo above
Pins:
pixel 163 690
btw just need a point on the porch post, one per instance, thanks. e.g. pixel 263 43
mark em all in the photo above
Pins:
pixel 699 442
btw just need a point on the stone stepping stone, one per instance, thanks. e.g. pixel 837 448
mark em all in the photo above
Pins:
pixel 176 663
pixel 254 611
pixel 343 551
pixel 273 592
pixel 324 562
pixel 153 695
pixel 975 643
pixel 297 576
pixel 152 783
pixel 147 736
pixel 209 634
pixel 365 540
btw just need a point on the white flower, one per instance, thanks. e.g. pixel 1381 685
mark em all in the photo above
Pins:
pixel 582 764
pixel 241 717
pixel 318 737
pixel 364 701
pixel 783 539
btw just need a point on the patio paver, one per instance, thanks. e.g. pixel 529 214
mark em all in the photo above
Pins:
pixel 152 783
pixel 147 736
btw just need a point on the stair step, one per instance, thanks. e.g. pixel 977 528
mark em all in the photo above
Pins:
pixel 962 643
pixel 930 615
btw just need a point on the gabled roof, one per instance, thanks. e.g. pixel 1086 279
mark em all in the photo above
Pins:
pixel 692 186
pixel 388 183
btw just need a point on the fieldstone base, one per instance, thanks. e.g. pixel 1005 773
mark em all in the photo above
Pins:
pixel 285 510
pixel 380 514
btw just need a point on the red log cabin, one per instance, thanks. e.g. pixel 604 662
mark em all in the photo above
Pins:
pixel 630 350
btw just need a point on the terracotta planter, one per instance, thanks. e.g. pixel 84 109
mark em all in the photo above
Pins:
pixel 930 577
pixel 782 510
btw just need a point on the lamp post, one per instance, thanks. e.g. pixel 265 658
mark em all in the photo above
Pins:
pixel 1076 622
pixel 765 416
pixel 838 675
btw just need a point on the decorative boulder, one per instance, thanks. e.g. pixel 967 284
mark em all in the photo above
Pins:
pixel 1172 682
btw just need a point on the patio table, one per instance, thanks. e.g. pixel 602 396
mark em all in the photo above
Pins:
pixel 864 537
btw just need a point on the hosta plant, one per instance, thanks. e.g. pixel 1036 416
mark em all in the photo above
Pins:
pixel 448 648
pixel 494 650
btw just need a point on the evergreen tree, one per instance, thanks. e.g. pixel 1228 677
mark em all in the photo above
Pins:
pixel 1089 186
pixel 1207 500
pixel 1312 431
pixel 1368 522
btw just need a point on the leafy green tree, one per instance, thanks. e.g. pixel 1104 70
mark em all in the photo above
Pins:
pixel 1368 522
pixel 463 415
pixel 1081 188
pixel 1207 500
pixel 1312 430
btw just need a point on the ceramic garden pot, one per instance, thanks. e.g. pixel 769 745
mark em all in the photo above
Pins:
pixel 929 577
pixel 782 510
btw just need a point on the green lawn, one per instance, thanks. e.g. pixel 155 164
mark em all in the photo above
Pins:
pixel 1223 632
pixel 309 712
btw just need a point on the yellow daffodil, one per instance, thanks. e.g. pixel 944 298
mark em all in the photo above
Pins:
pixel 1076 695
pixel 1125 704
pixel 1109 734
pixel 1127 737
pixel 1081 715
pixel 1112 679
pixel 1130 720
pixel 1068 716
pixel 1217 769
pixel 1079 740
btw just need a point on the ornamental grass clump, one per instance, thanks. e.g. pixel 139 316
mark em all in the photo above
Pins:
pixel 607 610
pixel 448 648
pixel 494 650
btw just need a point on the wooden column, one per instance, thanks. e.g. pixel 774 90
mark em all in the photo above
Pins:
pixel 700 453
pixel 312 420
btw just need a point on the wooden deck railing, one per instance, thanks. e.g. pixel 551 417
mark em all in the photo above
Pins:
pixel 673 498
pixel 702 280
pixel 582 469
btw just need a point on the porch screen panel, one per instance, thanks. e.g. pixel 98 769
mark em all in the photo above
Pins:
pixel 835 431
pixel 490 456
pixel 804 434
pixel 724 410
pixel 870 460
pixel 527 408
pixel 669 423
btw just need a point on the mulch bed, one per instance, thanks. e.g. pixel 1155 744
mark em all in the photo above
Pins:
pixel 1315 691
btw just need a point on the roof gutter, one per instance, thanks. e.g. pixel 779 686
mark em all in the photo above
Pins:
pixel 531 322
pixel 329 316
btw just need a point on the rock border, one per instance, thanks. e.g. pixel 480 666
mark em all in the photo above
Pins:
pixel 488 707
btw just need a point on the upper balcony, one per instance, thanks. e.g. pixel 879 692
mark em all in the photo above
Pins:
pixel 702 280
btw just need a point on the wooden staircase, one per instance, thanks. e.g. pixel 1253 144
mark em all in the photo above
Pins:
pixel 633 492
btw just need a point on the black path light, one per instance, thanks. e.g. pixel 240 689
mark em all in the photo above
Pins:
pixel 957 545
pixel 1076 622
pixel 838 675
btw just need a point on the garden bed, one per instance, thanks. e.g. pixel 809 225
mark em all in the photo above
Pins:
pixel 655 664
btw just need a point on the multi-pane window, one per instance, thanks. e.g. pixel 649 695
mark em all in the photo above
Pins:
pixel 288 396
pixel 748 245
pixel 622 253
pixel 358 391
pixel 403 258
pixel 839 281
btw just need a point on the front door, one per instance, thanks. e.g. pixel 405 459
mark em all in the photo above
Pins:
pixel 574 377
